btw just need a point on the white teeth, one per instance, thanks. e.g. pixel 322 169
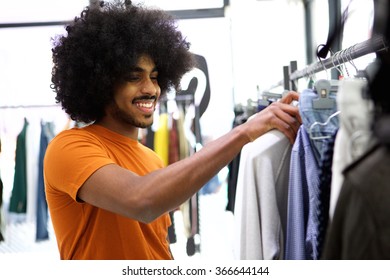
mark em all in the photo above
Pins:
pixel 145 105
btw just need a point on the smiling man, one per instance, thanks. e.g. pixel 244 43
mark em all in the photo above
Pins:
pixel 134 100
pixel 108 195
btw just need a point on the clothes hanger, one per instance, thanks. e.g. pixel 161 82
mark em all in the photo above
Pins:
pixel 321 124
pixel 338 68
pixel 323 88
pixel 310 74
pixel 350 60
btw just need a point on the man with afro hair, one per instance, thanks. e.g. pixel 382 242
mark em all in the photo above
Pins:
pixel 108 195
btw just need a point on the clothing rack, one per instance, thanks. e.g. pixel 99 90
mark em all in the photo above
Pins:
pixel 375 44
pixel 286 82
pixel 291 74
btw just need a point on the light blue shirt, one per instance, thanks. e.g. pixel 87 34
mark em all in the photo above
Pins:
pixel 303 190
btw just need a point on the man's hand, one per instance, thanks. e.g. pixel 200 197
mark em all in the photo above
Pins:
pixel 281 115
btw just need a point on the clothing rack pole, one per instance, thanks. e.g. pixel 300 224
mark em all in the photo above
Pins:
pixel 278 84
pixel 375 44
pixel 293 68
pixel 287 83
pixel 286 77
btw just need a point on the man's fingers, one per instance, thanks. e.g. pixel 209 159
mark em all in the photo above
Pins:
pixel 286 129
pixel 290 97
pixel 287 119
pixel 291 110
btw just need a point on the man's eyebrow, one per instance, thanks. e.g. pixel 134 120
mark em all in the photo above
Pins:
pixel 140 69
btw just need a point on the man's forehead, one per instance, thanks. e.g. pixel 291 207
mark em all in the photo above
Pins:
pixel 145 63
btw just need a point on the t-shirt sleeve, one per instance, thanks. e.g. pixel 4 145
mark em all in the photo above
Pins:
pixel 71 158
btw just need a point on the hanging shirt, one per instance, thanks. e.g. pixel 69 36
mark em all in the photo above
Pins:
pixel 261 198
pixel 234 164
pixel 354 136
pixel 360 228
pixel 321 212
pixel 303 191
pixel 302 185
pixel 84 231
pixel 18 200
pixel 47 134
pixel 161 138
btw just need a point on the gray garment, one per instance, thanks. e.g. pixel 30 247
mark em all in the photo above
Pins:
pixel 260 210
pixel 360 228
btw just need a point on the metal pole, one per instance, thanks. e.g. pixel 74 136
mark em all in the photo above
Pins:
pixel 375 44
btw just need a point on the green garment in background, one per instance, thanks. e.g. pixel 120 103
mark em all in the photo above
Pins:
pixel 18 201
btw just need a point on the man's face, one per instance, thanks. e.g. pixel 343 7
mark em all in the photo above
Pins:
pixel 136 99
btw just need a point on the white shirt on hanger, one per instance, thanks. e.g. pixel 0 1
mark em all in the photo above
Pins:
pixel 354 134
pixel 260 212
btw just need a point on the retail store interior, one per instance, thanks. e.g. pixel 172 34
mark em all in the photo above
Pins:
pixel 249 48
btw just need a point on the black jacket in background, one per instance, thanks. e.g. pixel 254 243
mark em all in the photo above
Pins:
pixel 360 228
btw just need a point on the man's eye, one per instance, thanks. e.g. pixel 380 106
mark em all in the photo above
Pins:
pixel 131 78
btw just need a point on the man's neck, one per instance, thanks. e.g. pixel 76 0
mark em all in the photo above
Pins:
pixel 125 130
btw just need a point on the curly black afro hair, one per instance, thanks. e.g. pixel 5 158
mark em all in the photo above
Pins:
pixel 100 47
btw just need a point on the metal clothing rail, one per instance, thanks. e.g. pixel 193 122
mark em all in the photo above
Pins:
pixel 375 44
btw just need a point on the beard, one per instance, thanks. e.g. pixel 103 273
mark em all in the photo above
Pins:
pixel 124 117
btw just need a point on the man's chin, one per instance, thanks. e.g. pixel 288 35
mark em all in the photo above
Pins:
pixel 145 124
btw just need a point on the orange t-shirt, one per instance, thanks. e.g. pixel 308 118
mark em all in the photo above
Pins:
pixel 84 231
